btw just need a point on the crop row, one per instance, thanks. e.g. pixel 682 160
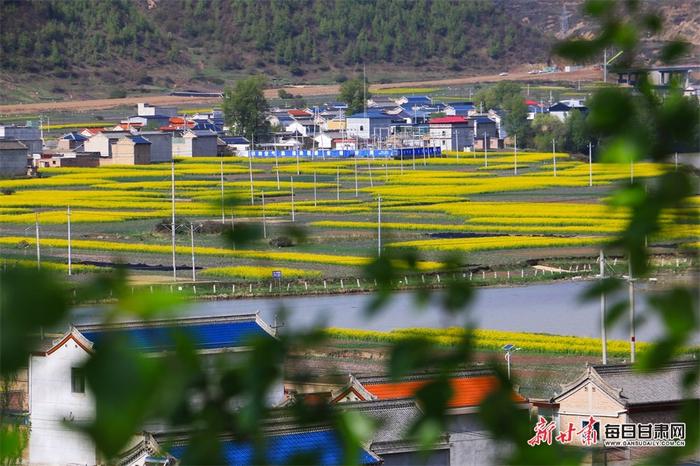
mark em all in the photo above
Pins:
pixel 493 340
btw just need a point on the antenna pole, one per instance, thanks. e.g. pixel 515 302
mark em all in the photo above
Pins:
pixel 554 156
pixel 262 194
pixel 291 182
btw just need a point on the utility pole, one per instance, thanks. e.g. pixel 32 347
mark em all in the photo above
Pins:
pixel 223 215
pixel 675 160
pixel 250 173
pixel 603 336
pixel 486 152
pixel 194 277
pixel 337 183
pixel 70 259
pixel 262 195
pixel 554 156
pixel 590 165
pixel 172 222
pixel 315 200
pixel 379 226
pixel 357 193
pixel 38 246
pixel 605 66
pixel 291 182
pixel 633 341
pixel 515 154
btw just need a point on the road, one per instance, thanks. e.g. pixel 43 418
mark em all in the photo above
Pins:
pixel 550 308
pixel 587 74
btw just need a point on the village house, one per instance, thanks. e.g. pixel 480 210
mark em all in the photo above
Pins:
pixel 619 394
pixel 364 125
pixel 195 143
pixel 71 141
pixel 161 145
pixel 129 150
pixel 146 110
pixel 30 136
pixel 103 142
pixel 57 392
pixel 13 158
pixel 67 159
pixel 237 144
pixel 459 108
pixel 562 109
pixel 381 101
pixel 451 133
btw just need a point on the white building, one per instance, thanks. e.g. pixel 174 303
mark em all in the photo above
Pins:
pixel 60 396
pixel 145 110
pixel 451 133
pixel 104 142
pixel 366 125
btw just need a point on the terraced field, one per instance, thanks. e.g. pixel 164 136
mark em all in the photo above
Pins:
pixel 472 205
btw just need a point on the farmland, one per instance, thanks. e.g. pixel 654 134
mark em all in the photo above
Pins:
pixel 472 205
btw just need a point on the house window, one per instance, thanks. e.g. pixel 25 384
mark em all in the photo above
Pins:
pixel 77 380
pixel 362 127
pixel 596 427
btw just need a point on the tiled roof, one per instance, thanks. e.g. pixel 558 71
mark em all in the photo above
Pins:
pixel 324 446
pixel 663 385
pixel 394 417
pixel 11 144
pixel 214 333
pixel 298 113
pixel 448 120
pixel 469 389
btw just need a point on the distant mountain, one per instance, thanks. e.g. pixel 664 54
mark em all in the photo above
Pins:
pixel 89 47
pixel 285 38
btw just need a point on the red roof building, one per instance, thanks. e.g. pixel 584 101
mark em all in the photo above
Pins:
pixel 448 120
pixel 295 112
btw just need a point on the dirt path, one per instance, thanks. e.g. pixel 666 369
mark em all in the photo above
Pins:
pixel 586 74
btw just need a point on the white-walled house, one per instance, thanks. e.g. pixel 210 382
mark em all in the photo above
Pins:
pixel 59 395
pixel 451 133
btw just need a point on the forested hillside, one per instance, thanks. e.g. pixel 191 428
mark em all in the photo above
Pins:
pixel 285 36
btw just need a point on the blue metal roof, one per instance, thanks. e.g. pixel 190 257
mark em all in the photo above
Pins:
pixel 205 335
pixel 372 113
pixel 236 140
pixel 74 137
pixel 418 99
pixel 139 139
pixel 323 446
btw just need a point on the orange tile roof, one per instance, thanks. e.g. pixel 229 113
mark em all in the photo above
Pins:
pixel 468 391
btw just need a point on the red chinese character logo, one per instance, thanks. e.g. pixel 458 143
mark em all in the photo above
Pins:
pixel 588 433
pixel 565 436
pixel 543 432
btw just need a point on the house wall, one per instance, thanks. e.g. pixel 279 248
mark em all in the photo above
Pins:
pixel 204 146
pixel 100 143
pixel 436 458
pixel 13 162
pixel 364 128
pixel 126 152
pixel 451 137
pixel 589 400
pixel 52 402
pixel 475 449
pixel 182 147
pixel 29 136
pixel 161 147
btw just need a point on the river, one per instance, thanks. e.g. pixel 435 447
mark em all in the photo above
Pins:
pixel 548 308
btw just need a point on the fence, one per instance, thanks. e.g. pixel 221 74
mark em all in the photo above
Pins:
pixel 339 154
